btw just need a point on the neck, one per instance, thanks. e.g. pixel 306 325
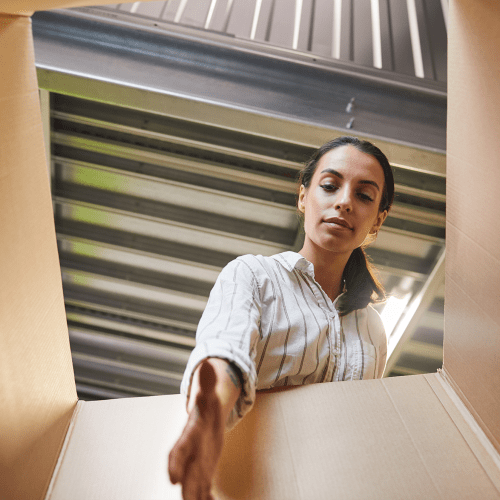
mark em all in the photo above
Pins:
pixel 328 268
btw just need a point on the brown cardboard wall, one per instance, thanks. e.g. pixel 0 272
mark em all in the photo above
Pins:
pixel 388 439
pixel 472 305
pixel 27 7
pixel 400 438
pixel 37 387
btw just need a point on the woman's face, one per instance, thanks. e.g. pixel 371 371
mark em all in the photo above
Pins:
pixel 341 204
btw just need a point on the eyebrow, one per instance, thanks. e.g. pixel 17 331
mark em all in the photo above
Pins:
pixel 340 176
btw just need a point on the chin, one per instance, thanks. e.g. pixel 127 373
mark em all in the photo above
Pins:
pixel 334 247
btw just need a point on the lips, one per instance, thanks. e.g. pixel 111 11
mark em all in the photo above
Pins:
pixel 339 222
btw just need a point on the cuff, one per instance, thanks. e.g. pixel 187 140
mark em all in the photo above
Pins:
pixel 217 348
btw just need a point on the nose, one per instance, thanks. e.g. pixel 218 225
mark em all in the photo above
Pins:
pixel 343 202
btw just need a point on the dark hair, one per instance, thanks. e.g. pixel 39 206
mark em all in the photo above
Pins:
pixel 361 284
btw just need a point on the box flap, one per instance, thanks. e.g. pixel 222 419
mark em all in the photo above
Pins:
pixel 37 388
pixel 118 449
pixel 27 7
pixel 472 301
pixel 478 441
pixel 379 439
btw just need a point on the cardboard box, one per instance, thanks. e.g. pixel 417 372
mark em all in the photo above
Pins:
pixel 427 437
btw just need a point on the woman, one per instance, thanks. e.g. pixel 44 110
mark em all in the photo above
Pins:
pixel 293 318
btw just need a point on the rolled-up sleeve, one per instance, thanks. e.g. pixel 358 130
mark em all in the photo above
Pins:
pixel 229 329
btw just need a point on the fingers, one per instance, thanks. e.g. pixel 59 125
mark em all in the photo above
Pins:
pixel 177 463
pixel 196 485
pixel 181 452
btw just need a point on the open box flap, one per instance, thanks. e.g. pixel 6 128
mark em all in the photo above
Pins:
pixel 379 439
pixel 37 385
pixel 472 298
pixel 28 7
pixel 118 449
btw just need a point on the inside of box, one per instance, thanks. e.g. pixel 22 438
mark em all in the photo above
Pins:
pixel 472 298
pixel 27 7
pixel 400 437
pixel 36 374
pixel 37 384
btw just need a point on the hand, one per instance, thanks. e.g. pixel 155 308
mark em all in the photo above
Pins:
pixel 194 457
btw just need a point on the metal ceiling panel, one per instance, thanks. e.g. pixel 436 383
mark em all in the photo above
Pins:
pixel 157 183
pixel 407 37
pixel 387 105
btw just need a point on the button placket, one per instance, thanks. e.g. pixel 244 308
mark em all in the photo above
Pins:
pixel 325 304
pixel 335 323
pixel 330 363
pixel 331 349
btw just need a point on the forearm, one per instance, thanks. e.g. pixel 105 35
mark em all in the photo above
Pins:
pixel 227 386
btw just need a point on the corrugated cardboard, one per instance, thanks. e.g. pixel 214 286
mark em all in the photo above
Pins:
pixel 27 7
pixel 399 438
pixel 410 437
pixel 381 439
pixel 472 305
pixel 37 388
pixel 118 449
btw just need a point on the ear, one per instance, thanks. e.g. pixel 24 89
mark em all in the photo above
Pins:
pixel 301 203
pixel 378 222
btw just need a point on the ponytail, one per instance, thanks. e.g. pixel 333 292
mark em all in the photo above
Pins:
pixel 360 282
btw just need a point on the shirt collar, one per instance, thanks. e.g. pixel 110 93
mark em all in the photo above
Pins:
pixel 293 260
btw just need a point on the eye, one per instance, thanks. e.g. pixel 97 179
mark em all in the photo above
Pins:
pixel 329 187
pixel 365 197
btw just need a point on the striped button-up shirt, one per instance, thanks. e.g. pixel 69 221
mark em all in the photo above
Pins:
pixel 270 317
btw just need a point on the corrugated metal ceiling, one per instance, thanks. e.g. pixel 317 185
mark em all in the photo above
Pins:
pixel 174 150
